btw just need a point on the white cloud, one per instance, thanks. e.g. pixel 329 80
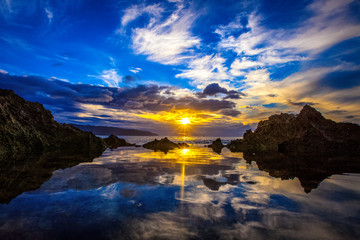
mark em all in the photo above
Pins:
pixel 329 25
pixel 135 70
pixel 297 89
pixel 49 14
pixel 238 66
pixel 112 61
pixel 206 70
pixel 136 11
pixel 168 41
pixel 110 77
pixel 246 43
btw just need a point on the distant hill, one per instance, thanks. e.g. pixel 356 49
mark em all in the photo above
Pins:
pixel 103 130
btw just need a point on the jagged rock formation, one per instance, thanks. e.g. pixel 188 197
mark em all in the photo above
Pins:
pixel 306 133
pixel 114 142
pixel 216 146
pixel 164 145
pixel 28 128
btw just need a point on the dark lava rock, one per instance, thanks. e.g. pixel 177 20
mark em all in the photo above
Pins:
pixel 28 128
pixel 164 145
pixel 307 133
pixel 216 145
pixel 114 142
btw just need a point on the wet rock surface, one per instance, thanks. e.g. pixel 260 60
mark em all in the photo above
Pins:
pixel 217 146
pixel 114 142
pixel 28 128
pixel 164 145
pixel 307 133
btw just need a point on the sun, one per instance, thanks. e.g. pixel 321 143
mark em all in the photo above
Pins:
pixel 185 121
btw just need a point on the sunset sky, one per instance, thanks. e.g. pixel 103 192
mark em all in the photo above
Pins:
pixel 224 65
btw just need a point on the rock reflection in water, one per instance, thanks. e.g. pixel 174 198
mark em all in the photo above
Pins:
pixel 133 193
pixel 310 170
pixel 25 173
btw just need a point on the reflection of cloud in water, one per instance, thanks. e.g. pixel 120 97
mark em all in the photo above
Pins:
pixel 140 194
pixel 163 225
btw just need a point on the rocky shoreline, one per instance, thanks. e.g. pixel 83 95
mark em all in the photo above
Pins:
pixel 307 133
pixel 28 128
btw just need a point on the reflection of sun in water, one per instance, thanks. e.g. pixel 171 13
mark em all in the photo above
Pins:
pixel 185 121
pixel 184 151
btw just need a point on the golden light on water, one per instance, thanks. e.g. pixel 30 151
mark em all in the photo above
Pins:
pixel 185 151
pixel 188 156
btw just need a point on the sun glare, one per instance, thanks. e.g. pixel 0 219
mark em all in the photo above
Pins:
pixel 185 121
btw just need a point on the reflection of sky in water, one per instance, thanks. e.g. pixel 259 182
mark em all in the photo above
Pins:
pixel 134 193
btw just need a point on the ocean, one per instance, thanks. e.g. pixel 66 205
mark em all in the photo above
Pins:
pixel 194 193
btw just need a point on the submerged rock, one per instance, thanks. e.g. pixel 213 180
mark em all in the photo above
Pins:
pixel 164 145
pixel 216 145
pixel 28 128
pixel 114 142
pixel 307 133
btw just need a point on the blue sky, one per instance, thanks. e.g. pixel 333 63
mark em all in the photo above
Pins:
pixel 146 64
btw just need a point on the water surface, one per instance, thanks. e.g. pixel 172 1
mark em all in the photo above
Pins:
pixel 135 193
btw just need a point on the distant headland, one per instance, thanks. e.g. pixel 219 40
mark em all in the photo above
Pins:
pixel 104 130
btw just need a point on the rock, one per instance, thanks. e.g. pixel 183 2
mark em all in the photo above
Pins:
pixel 114 142
pixel 307 133
pixel 28 128
pixel 216 145
pixel 164 145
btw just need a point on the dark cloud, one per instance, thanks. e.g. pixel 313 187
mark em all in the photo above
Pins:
pixel 272 95
pixel 300 103
pixel 129 79
pixel 95 121
pixel 168 92
pixel 103 116
pixel 336 112
pixel 59 96
pixel 214 89
pixel 230 112
pixel 198 104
